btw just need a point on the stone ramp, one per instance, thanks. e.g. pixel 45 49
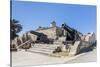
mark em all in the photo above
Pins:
pixel 74 48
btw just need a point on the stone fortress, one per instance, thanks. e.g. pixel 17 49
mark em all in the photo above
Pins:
pixel 54 40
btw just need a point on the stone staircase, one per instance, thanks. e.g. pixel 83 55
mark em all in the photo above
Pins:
pixel 45 49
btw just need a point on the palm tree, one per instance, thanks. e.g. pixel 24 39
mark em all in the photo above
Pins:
pixel 15 28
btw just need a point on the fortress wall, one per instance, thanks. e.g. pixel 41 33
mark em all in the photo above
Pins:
pixel 59 31
pixel 50 32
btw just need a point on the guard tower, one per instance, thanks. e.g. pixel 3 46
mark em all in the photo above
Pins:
pixel 53 24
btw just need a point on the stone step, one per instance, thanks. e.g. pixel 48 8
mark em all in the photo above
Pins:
pixel 58 42
pixel 48 48
pixel 62 39
pixel 45 46
pixel 41 51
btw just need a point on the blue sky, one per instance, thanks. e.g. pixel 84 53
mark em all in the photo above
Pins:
pixel 34 14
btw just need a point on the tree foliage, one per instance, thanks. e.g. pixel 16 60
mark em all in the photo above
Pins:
pixel 15 28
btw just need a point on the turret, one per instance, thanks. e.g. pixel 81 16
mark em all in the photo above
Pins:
pixel 53 24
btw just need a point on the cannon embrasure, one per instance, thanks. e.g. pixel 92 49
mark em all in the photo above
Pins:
pixel 41 38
